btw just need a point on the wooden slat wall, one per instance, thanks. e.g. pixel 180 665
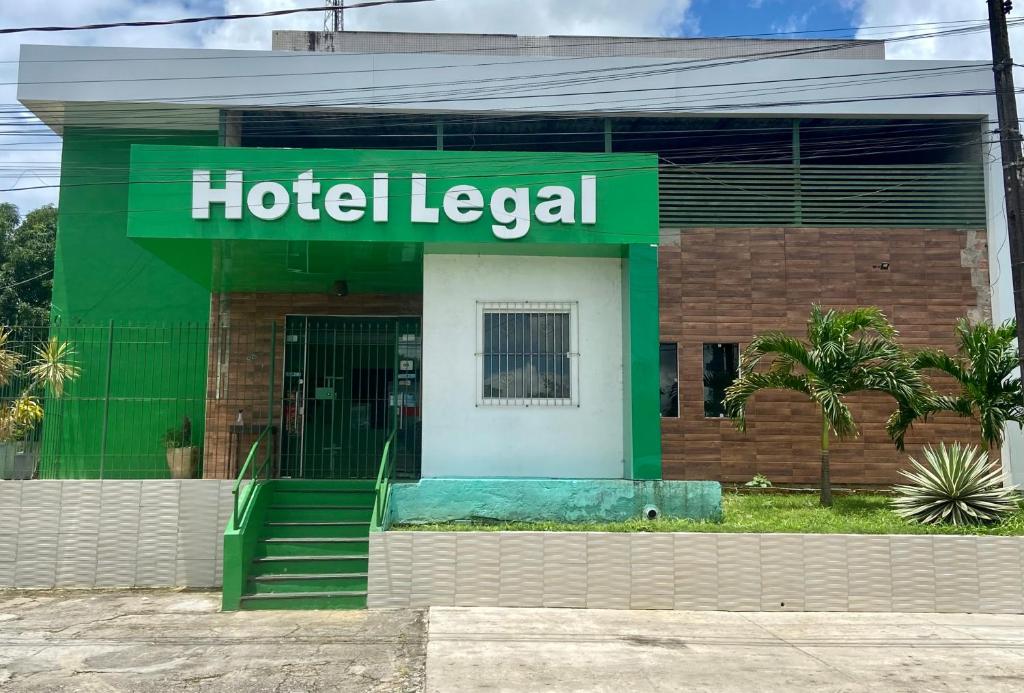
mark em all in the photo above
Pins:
pixel 728 284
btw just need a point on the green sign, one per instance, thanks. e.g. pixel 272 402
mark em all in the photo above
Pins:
pixel 222 193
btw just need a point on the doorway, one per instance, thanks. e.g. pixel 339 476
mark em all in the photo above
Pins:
pixel 349 382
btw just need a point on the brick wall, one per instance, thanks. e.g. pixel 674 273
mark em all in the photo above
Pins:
pixel 238 374
pixel 726 285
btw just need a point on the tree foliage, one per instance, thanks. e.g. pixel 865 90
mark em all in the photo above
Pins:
pixel 984 372
pixel 844 352
pixel 26 264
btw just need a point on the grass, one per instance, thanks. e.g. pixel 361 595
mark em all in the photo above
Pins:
pixel 862 513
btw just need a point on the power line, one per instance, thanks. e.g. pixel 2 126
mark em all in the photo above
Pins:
pixel 207 18
pixel 26 281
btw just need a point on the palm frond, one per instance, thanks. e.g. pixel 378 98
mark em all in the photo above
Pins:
pixel 790 349
pixel 984 370
pixel 748 384
pixel 53 366
pixel 836 413
pixel 9 360
pixel 938 360
pixel 863 319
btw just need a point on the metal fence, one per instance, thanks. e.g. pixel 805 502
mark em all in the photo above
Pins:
pixel 188 401
pixel 128 406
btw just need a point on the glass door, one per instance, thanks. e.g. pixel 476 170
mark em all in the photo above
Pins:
pixel 348 383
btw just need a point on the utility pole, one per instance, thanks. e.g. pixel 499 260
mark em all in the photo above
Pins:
pixel 334 20
pixel 1010 148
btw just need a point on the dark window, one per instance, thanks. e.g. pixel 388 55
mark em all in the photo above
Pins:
pixel 526 356
pixel 721 366
pixel 669 380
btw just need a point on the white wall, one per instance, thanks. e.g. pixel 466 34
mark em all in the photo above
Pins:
pixel 1001 282
pixel 112 533
pixel 697 572
pixel 463 439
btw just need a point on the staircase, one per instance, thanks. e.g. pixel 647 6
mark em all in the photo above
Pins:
pixel 310 548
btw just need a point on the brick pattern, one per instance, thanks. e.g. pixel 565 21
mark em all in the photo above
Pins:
pixel 238 371
pixel 727 572
pixel 726 285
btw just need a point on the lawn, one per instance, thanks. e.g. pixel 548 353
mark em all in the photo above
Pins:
pixel 861 513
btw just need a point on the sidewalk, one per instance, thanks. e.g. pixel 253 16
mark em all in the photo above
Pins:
pixel 149 641
pixel 161 641
pixel 520 650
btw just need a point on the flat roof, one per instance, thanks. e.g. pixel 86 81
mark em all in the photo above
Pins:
pixel 703 48
pixel 116 86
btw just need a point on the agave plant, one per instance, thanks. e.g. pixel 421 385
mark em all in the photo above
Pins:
pixel 958 485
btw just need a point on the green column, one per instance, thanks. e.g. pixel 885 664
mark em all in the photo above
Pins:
pixel 642 412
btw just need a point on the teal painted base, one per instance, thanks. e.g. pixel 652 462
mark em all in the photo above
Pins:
pixel 560 500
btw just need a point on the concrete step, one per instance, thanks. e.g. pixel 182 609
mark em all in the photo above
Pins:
pixel 307 530
pixel 308 565
pixel 320 546
pixel 326 582
pixel 355 599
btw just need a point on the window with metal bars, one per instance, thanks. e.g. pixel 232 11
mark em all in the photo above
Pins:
pixel 527 354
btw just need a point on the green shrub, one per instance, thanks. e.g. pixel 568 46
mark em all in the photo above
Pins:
pixel 958 486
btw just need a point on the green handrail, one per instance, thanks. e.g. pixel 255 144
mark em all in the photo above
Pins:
pixel 266 467
pixel 382 489
pixel 257 474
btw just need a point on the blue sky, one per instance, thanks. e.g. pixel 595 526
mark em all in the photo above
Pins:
pixel 750 17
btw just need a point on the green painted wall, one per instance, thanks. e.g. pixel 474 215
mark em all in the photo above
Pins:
pixel 642 425
pixel 558 500
pixel 157 373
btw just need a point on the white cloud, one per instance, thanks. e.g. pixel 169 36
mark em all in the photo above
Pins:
pixel 973 46
pixel 22 165
pixel 537 17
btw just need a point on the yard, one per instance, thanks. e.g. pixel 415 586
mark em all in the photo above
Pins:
pixel 858 513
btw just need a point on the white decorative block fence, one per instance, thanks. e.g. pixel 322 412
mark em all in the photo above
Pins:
pixel 112 533
pixel 728 572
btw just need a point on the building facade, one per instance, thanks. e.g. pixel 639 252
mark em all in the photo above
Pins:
pixel 514 251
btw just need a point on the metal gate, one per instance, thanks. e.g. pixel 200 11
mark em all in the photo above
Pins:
pixel 348 383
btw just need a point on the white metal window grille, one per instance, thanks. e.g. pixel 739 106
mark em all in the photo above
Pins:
pixel 527 354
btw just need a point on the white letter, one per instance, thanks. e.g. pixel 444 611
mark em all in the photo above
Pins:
pixel 304 189
pixel 420 212
pixel 560 209
pixel 588 193
pixel 345 202
pixel 203 195
pixel 463 204
pixel 381 201
pixel 521 219
pixel 260 191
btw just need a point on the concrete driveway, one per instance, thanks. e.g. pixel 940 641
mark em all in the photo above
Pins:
pixel 178 641
pixel 622 651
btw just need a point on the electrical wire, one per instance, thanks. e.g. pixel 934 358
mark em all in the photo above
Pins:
pixel 207 18
pixel 26 281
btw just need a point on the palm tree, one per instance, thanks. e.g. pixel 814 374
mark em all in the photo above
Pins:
pixel 990 392
pixel 51 369
pixel 845 352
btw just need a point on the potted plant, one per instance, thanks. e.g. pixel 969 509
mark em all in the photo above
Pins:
pixel 180 451
pixel 17 453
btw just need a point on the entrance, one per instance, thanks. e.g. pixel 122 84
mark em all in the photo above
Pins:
pixel 348 384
